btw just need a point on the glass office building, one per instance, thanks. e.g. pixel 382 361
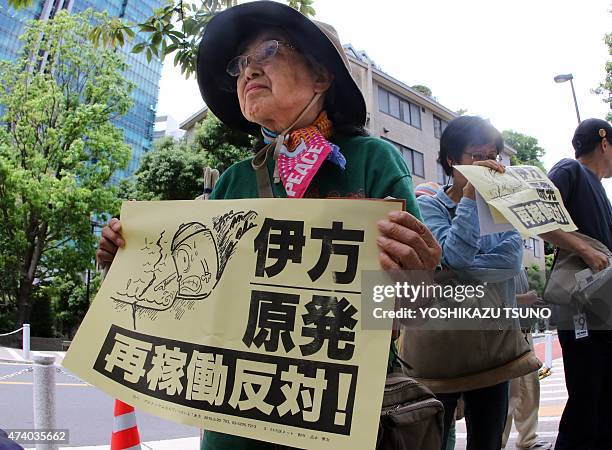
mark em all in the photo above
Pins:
pixel 139 121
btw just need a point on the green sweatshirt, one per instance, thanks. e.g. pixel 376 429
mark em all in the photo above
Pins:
pixel 374 169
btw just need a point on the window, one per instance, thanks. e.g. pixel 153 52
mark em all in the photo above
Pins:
pixel 414 160
pixel 406 112
pixel 418 163
pixel 533 244
pixel 439 126
pixel 394 106
pixel 415 115
pixel 536 247
pixel 399 108
pixel 442 179
pixel 383 100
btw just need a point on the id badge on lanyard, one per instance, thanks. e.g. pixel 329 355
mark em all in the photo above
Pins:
pixel 580 326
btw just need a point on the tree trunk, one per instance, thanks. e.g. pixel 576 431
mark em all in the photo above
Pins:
pixel 28 272
pixel 24 301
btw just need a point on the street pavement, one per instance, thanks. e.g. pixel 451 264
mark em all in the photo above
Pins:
pixel 16 355
pixel 84 410
pixel 88 412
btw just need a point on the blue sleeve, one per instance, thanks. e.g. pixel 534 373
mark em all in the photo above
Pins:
pixel 460 239
pixel 502 262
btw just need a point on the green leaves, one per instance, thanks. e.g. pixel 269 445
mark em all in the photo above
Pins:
pixel 175 28
pixel 174 170
pixel 58 151
pixel 426 91
pixel 605 88
pixel 303 6
pixel 527 148
pixel 111 32
pixel 18 4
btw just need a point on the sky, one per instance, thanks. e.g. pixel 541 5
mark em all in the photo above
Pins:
pixel 494 58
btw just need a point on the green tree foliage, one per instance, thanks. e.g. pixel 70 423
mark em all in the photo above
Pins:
pixel 58 150
pixel 70 298
pixel 527 149
pixel 173 170
pixel 175 28
pixel 221 145
pixel 303 6
pixel 422 89
pixel 536 279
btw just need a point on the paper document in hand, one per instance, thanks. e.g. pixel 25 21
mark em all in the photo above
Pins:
pixel 523 195
pixel 590 285
pixel 489 218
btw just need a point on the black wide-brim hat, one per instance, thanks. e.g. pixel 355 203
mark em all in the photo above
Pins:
pixel 229 30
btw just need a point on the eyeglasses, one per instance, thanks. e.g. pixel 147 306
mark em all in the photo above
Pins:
pixel 262 55
pixel 480 156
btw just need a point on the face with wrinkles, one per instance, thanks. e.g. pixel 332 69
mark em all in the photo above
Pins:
pixel 274 91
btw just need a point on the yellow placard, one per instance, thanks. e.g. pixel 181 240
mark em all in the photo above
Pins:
pixel 243 316
pixel 523 196
pixel 497 216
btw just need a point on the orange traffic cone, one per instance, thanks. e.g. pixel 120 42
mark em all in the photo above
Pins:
pixel 125 432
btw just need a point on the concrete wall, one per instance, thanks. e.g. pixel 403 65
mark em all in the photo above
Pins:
pixel 386 126
pixel 529 253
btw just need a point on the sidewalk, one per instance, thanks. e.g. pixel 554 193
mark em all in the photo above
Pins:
pixel 540 349
pixel 553 396
pixel 15 355
pixel 71 395
pixel 192 443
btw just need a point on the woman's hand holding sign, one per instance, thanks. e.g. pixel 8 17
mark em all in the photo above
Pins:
pixel 110 241
pixel 468 189
pixel 406 244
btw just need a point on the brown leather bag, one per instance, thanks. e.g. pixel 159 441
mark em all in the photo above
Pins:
pixel 411 417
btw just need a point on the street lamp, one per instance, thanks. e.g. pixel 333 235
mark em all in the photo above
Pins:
pixel 569 77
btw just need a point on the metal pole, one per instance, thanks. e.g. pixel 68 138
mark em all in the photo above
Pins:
pixel 93 230
pixel 26 341
pixel 575 102
pixel 88 281
pixel 44 397
pixel 548 339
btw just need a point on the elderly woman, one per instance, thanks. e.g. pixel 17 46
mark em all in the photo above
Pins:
pixel 266 69
pixel 494 259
